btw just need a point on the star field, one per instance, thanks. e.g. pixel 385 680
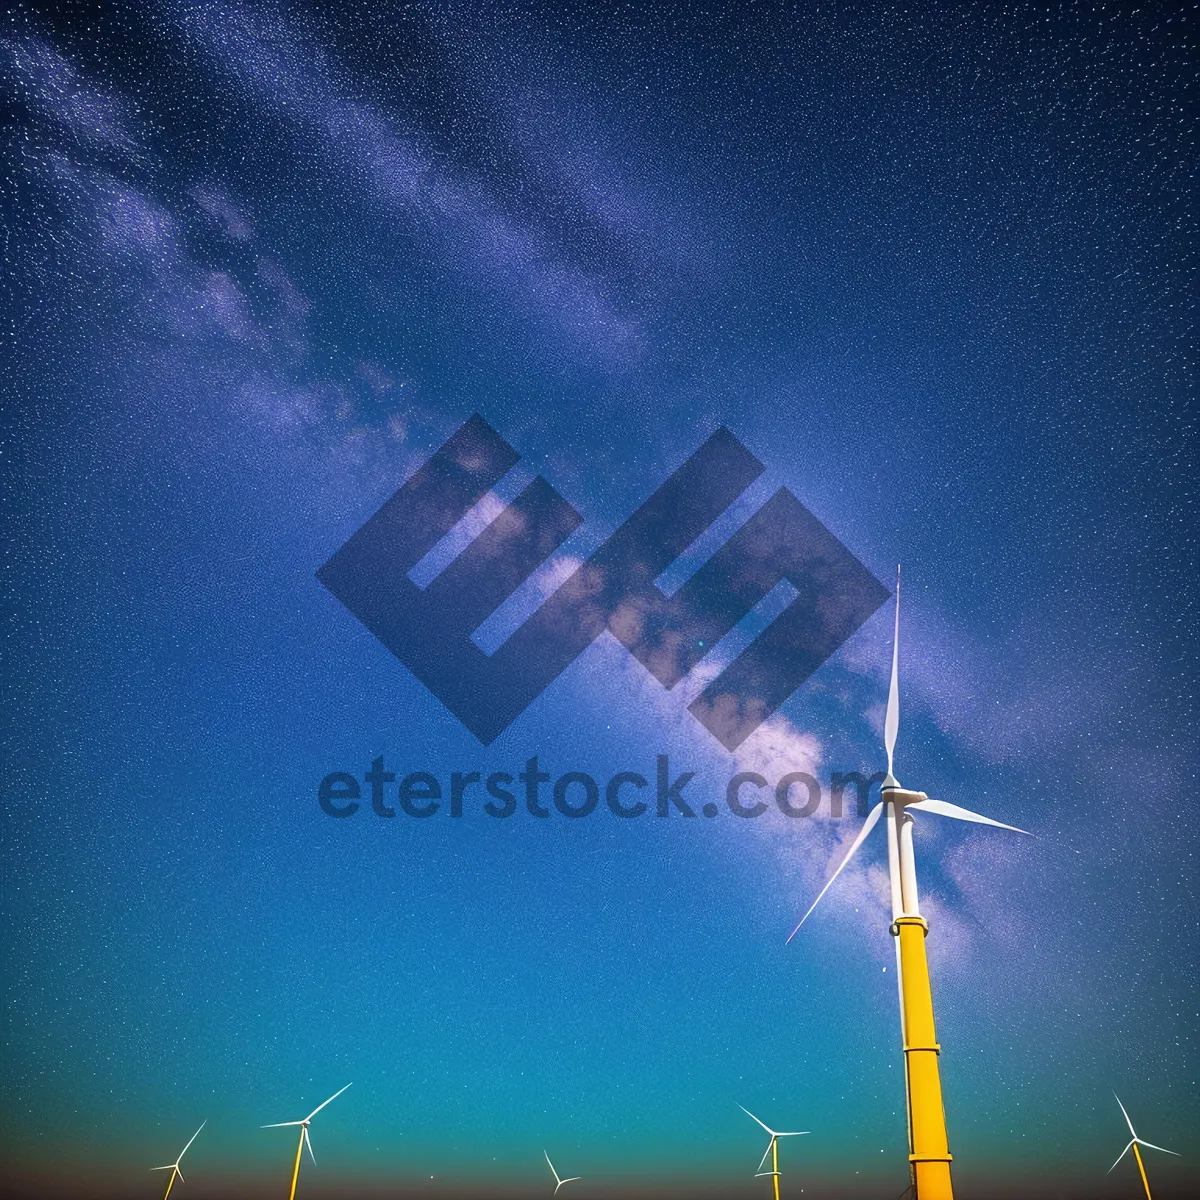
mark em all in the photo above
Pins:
pixel 934 264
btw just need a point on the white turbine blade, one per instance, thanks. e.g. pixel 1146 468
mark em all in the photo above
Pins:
pixel 1132 1131
pixel 1119 1157
pixel 868 825
pixel 754 1118
pixel 766 1174
pixel 768 1151
pixel 168 1167
pixel 193 1138
pixel 571 1179
pixel 329 1101
pixel 798 1133
pixel 308 1143
pixel 281 1124
pixel 1152 1146
pixel 891 722
pixel 180 1174
pixel 553 1171
pixel 942 809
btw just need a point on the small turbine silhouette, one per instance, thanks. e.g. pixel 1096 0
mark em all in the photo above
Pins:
pixel 304 1138
pixel 174 1167
pixel 1134 1143
pixel 772 1149
pixel 559 1182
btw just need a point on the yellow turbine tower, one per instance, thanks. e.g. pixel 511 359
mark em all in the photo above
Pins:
pixel 174 1167
pixel 1134 1144
pixel 929 1150
pixel 304 1138
pixel 772 1149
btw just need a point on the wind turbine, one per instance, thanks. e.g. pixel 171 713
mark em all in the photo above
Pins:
pixel 174 1167
pixel 929 1152
pixel 559 1182
pixel 304 1138
pixel 1135 1143
pixel 772 1149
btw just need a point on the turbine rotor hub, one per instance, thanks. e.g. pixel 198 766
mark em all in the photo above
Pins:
pixel 893 793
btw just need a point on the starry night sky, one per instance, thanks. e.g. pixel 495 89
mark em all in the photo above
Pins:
pixel 932 263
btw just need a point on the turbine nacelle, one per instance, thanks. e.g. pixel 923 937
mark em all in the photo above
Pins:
pixel 906 801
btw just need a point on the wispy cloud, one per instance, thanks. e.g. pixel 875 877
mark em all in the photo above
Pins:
pixel 235 339
pixel 471 229
pixel 215 201
pixel 54 87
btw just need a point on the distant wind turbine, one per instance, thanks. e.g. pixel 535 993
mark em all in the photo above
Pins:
pixel 1134 1144
pixel 174 1167
pixel 559 1182
pixel 304 1138
pixel 772 1149
pixel 929 1151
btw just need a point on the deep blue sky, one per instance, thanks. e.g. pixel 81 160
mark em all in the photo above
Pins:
pixel 933 264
